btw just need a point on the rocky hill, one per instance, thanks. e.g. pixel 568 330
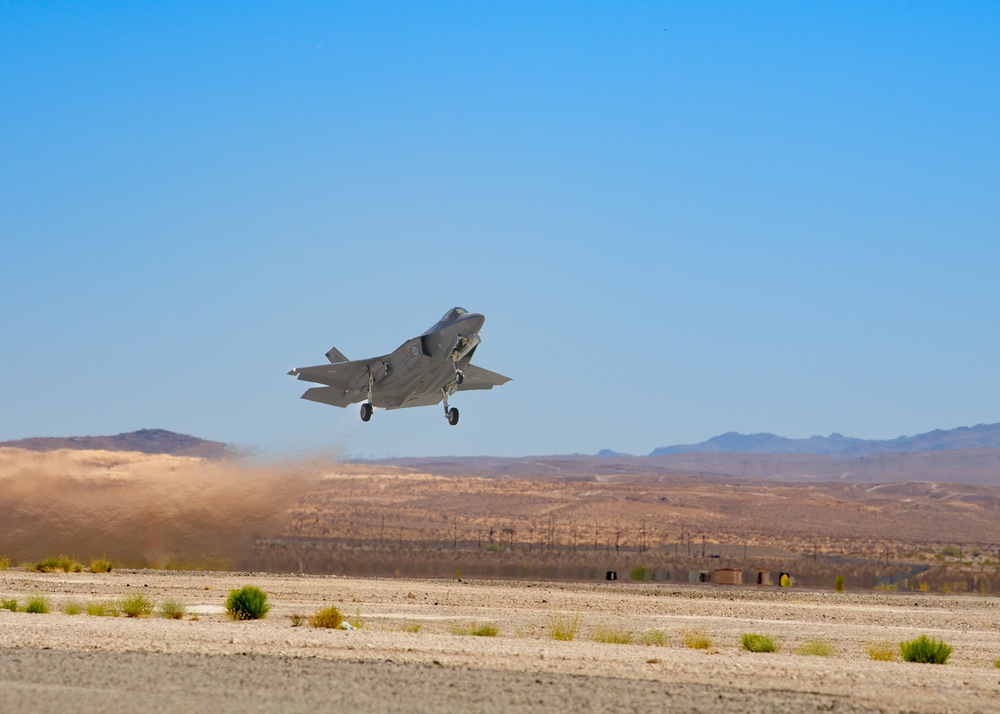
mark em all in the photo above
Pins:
pixel 146 441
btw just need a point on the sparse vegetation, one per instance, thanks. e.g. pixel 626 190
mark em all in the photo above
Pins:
pixel 696 639
pixel 297 620
pixel 753 642
pixel 886 587
pixel 172 609
pixel 247 603
pixel 949 551
pixel 925 650
pixel 328 617
pixel 72 608
pixel 37 604
pixel 100 565
pixel 883 651
pixel 4 562
pixel 838 583
pixel 611 635
pixel 564 627
pixel 475 630
pixel 642 573
pixel 60 563
pixel 109 608
pixel 654 637
pixel 413 627
pixel 785 581
pixel 137 606
pixel 357 622
pixel 815 648
pixel 996 663
pixel 8 605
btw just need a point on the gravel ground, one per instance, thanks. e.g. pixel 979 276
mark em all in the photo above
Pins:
pixel 59 662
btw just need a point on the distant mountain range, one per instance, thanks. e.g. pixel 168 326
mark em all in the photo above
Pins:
pixel 146 441
pixel 837 446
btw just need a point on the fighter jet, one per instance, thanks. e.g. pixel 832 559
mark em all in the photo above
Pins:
pixel 420 372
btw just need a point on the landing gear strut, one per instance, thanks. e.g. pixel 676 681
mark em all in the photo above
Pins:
pixel 367 407
pixel 450 413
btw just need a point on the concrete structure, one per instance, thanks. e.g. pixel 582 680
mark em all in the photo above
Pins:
pixel 729 576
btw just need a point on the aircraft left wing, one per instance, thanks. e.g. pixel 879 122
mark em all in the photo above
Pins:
pixel 479 378
pixel 346 382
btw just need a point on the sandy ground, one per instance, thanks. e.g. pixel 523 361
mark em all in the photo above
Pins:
pixel 58 662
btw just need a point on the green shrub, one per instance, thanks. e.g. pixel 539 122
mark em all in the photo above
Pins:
pixel 611 636
pixel 654 637
pixel 100 565
pixel 924 650
pixel 785 581
pixel 4 562
pixel 752 642
pixel 8 605
pixel 815 648
pixel 996 663
pixel 328 617
pixel 475 630
pixel 949 551
pixel 642 573
pixel 137 606
pixel 103 609
pixel 883 651
pixel 247 603
pixel 62 562
pixel 72 608
pixel 564 627
pixel 838 583
pixel 172 609
pixel 37 604
pixel 696 639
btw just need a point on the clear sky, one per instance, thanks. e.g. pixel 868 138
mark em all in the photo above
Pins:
pixel 679 219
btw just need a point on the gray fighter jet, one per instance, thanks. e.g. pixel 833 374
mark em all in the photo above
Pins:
pixel 422 371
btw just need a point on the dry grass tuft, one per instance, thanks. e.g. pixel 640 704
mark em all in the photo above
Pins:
pixel 754 642
pixel 611 635
pixel 137 606
pixel 60 563
pixel 100 565
pixel 172 610
pixel 564 627
pixel 884 651
pixel 413 627
pixel 696 638
pixel 37 604
pixel 815 648
pixel 654 637
pixel 72 608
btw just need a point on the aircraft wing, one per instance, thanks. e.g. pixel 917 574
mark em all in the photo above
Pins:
pixel 342 374
pixel 479 378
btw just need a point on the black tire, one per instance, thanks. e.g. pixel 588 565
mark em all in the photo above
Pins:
pixel 459 378
pixel 366 411
pixel 453 416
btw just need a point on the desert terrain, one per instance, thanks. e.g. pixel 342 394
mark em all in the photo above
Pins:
pixel 206 662
pixel 418 554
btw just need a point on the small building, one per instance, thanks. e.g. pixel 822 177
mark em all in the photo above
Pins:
pixel 729 576
pixel 763 576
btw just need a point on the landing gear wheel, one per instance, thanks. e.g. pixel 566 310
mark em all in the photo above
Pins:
pixel 366 411
pixel 459 378
pixel 453 416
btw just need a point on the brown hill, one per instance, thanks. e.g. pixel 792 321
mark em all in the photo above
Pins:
pixel 144 441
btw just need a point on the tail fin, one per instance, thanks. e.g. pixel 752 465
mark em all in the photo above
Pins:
pixel 336 356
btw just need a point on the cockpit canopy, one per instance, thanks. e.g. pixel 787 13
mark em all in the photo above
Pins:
pixel 454 314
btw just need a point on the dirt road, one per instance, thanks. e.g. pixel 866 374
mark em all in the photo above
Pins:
pixel 410 655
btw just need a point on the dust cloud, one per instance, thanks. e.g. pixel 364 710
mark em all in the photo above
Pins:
pixel 145 510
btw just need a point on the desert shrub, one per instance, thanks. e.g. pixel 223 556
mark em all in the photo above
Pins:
pixel 883 651
pixel 62 562
pixel 37 604
pixel 8 605
pixel 611 636
pixel 641 573
pixel 924 650
pixel 785 581
pixel 357 622
pixel 949 551
pixel 838 583
pixel 492 547
pixel 72 608
pixel 564 627
pixel 996 663
pixel 100 565
pixel 413 627
pixel 328 617
pixel 654 637
pixel 753 642
pixel 696 639
pixel 103 609
pixel 4 562
pixel 137 606
pixel 247 603
pixel 172 609
pixel 297 620
pixel 815 648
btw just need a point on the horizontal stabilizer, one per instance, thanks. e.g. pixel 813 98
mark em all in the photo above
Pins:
pixel 327 395
pixel 335 356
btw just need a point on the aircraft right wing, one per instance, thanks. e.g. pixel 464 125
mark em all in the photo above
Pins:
pixel 479 378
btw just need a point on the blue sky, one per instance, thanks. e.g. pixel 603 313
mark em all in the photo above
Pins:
pixel 680 219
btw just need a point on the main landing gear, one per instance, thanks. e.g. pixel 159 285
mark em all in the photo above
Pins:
pixel 450 413
pixel 367 408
